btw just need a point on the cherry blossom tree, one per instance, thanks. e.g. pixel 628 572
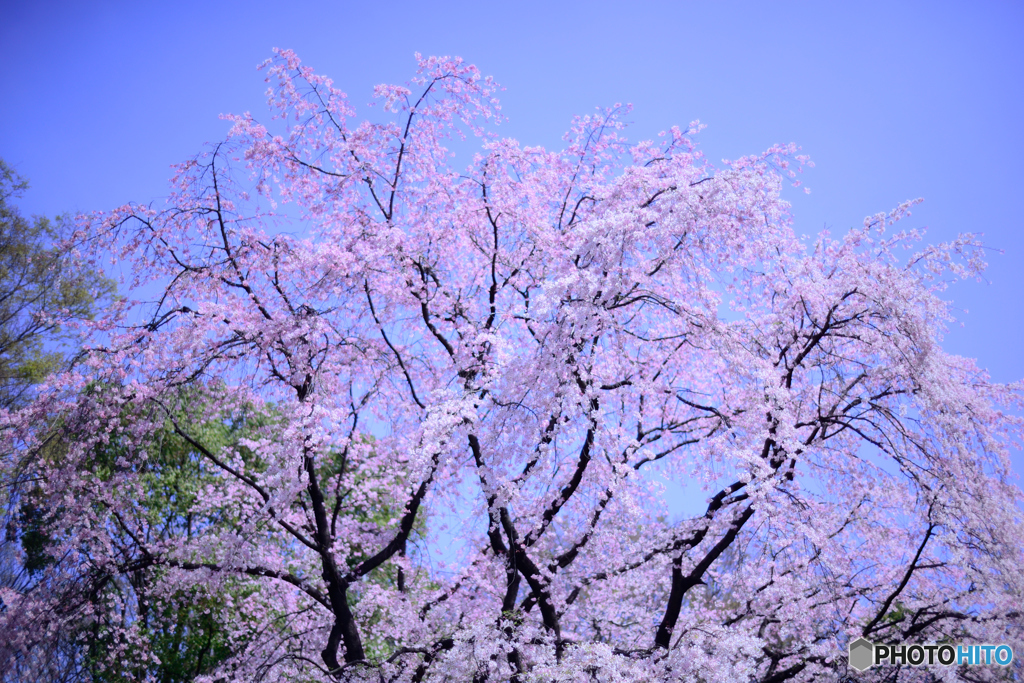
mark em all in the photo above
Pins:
pixel 517 365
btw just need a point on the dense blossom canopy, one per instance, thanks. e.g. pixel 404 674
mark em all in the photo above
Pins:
pixel 343 363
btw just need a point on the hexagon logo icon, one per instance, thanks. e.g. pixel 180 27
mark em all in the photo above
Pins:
pixel 862 654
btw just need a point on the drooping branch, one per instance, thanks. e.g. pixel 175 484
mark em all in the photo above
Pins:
pixel 883 610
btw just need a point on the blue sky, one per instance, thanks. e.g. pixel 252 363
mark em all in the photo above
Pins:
pixel 892 100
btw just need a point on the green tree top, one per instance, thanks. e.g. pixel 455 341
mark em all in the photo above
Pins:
pixel 41 287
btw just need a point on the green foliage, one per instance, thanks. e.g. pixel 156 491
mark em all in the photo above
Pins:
pixel 897 614
pixel 185 631
pixel 193 640
pixel 40 288
pixel 185 634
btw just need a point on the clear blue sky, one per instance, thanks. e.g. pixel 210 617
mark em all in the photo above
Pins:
pixel 892 100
